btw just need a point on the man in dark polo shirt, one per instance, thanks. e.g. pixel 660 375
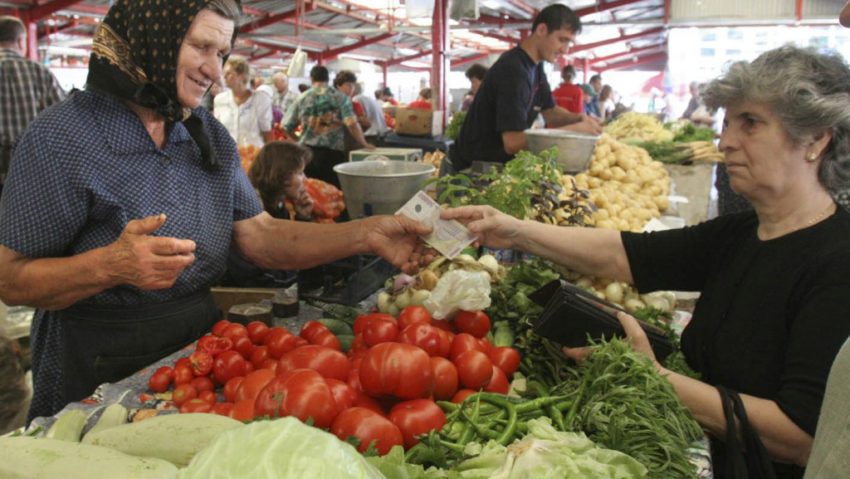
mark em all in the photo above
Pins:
pixel 515 90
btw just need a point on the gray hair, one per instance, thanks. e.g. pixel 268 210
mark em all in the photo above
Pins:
pixel 11 28
pixel 229 9
pixel 808 91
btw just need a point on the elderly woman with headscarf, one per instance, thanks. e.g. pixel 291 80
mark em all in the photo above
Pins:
pixel 774 307
pixel 123 201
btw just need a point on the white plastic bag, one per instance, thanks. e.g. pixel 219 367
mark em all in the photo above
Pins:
pixel 459 290
pixel 296 65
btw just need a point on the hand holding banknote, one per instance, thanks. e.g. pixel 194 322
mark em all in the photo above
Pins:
pixel 447 236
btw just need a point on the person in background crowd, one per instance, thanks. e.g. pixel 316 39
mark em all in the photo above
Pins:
pixel 694 102
pixel 260 86
pixel 387 97
pixel 605 103
pixel 277 175
pixel 246 115
pixel 424 100
pixel 140 195
pixel 377 125
pixel 208 103
pixel 516 92
pixel 568 95
pixel 592 89
pixel 283 96
pixel 323 112
pixel 26 88
pixel 346 82
pixel 773 310
pixel 14 392
pixel 302 87
pixel 475 74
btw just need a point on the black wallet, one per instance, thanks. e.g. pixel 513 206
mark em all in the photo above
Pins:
pixel 572 315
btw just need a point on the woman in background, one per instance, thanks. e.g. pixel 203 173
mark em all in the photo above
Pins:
pixel 247 116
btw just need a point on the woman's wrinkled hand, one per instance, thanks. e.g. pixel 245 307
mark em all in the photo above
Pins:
pixel 396 239
pixel 493 228
pixel 148 262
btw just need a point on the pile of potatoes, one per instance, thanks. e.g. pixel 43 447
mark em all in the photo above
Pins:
pixel 627 186
pixel 635 126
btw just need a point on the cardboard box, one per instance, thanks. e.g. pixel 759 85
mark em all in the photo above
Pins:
pixel 399 154
pixel 418 122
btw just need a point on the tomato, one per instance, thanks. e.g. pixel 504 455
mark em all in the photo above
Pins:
pixel 195 405
pixel 269 363
pixel 506 359
pixel 208 396
pixel 229 364
pixel 214 345
pixel 160 380
pixel 167 371
pixel 233 330
pixel 396 369
pixel 474 369
pixel 183 393
pixel 432 340
pixel 299 341
pixel 222 408
pixel 311 329
pixel 358 346
pixel 328 362
pixel 443 324
pixel 364 319
pixel 184 361
pixel 461 395
pixel 258 355
pixel 413 315
pixel 369 428
pixel 202 363
pixel 476 323
pixel 327 339
pixel 219 327
pixel 257 331
pixel 243 410
pixel 498 382
pixel 415 417
pixel 353 380
pixel 202 384
pixel 253 384
pixel 243 346
pixel 231 387
pixel 249 368
pixel 486 345
pixel 344 395
pixel 369 403
pixel 445 378
pixel 462 343
pixel 279 342
pixel 380 331
pixel 183 374
pixel 302 393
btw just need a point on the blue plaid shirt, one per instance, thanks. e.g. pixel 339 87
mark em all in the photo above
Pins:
pixel 86 167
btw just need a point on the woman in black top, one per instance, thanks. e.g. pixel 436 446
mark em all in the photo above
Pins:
pixel 774 307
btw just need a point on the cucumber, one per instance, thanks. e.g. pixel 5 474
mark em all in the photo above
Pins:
pixel 68 426
pixel 345 342
pixel 29 458
pixel 113 415
pixel 175 438
pixel 337 326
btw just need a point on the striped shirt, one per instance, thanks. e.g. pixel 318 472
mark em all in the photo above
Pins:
pixel 26 88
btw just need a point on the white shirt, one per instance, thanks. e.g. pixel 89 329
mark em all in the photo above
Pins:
pixel 375 115
pixel 245 122
pixel 284 101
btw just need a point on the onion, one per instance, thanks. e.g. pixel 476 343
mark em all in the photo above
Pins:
pixel 402 281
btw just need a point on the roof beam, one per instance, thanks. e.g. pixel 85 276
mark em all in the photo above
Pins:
pixel 472 58
pixel 601 6
pixel 400 60
pixel 624 65
pixel 271 19
pixel 333 52
pixel 627 54
pixel 611 41
pixel 43 11
pixel 502 38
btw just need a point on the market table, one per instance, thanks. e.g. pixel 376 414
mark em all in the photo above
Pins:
pixel 132 392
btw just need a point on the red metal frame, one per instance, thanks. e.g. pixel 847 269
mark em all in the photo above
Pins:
pixel 610 41
pixel 629 53
pixel 658 57
pixel 439 41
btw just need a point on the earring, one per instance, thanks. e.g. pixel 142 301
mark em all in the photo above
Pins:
pixel 811 157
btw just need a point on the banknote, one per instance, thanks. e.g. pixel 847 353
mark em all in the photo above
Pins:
pixel 449 237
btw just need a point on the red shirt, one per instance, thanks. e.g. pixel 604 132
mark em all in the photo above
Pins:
pixel 570 97
pixel 420 104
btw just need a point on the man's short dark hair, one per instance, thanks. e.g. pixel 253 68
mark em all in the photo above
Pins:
pixel 11 28
pixel 319 74
pixel 595 78
pixel 568 72
pixel 556 17
pixel 343 77
pixel 477 70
